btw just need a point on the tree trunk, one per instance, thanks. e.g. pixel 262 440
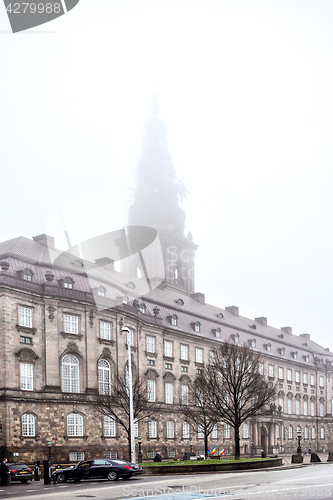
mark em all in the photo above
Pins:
pixel 237 445
pixel 129 446
pixel 206 446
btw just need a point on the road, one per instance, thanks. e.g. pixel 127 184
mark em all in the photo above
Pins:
pixel 311 482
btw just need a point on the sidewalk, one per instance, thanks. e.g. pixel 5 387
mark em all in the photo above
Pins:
pixel 306 459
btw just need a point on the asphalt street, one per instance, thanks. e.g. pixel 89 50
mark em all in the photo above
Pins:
pixel 313 481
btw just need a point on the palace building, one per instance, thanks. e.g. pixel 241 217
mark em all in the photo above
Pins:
pixel 61 340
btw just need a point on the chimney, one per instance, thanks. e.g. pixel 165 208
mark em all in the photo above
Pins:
pixel 287 329
pixel 305 335
pixel 45 239
pixel 198 296
pixel 262 320
pixel 233 310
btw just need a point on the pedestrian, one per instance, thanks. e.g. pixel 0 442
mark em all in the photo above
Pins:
pixel 4 471
pixel 157 457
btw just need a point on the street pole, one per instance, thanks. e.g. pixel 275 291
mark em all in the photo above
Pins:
pixel 130 390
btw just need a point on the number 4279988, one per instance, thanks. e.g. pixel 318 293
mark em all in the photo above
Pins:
pixel 34 8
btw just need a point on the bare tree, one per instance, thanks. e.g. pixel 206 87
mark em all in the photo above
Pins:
pixel 196 406
pixel 238 388
pixel 114 402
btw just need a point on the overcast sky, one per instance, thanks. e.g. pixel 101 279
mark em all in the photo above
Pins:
pixel 245 89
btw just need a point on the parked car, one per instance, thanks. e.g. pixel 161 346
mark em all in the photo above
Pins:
pixel 20 472
pixel 97 469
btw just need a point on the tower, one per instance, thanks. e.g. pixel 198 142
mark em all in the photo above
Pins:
pixel 156 204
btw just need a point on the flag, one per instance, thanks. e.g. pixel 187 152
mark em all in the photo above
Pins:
pixel 208 450
pixel 214 451
pixel 222 451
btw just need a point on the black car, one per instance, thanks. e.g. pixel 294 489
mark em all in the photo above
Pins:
pixel 20 472
pixel 97 469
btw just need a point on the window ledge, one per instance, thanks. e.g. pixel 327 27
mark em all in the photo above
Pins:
pixel 199 364
pixel 148 353
pixel 168 358
pixel 26 329
pixel 75 437
pixel 23 438
pixel 184 361
pixel 72 335
pixel 106 341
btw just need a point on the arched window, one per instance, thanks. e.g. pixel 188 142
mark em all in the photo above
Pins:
pixel 197 326
pixel 142 308
pixel 174 319
pixel 28 425
pixel 290 432
pixel 70 373
pixel 68 282
pixel 306 433
pixel 109 427
pixel 104 377
pixel 27 274
pixel 213 434
pixel 322 433
pixel 74 424
pixel 313 433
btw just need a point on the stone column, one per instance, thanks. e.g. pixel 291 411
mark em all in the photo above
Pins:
pixel 255 434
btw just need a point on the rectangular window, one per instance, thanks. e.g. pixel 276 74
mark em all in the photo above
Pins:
pixel 186 430
pixel 25 340
pixel 151 396
pixel 312 408
pixel 168 349
pixel 26 372
pixel 150 362
pixel 168 393
pixel 170 428
pixel 245 431
pixel 289 406
pixel 184 352
pixel 280 373
pixel 198 355
pixel 25 317
pixel 290 432
pixel 168 366
pixel 150 344
pixel 321 381
pixel 226 431
pixel 74 424
pixel 297 376
pixel 289 375
pixel 105 330
pixel 111 455
pixel 305 378
pixel 171 453
pixel 75 456
pixel 200 432
pixel 184 369
pixel 71 324
pixel 321 409
pixel 212 358
pixel 297 407
pixel 277 431
pixel 305 407
pixel 109 427
pixel 184 394
pixel 214 432
pixel 312 379
pixel 313 433
pixel 270 370
pixel 261 369
pixel 152 429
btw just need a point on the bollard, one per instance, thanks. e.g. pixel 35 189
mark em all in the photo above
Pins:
pixel 37 471
pixel 47 479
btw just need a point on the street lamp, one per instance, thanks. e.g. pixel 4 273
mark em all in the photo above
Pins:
pixel 191 448
pixel 299 434
pixel 49 445
pixel 140 451
pixel 130 389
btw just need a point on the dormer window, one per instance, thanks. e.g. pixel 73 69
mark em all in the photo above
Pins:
pixel 237 338
pixel 268 347
pixel 294 354
pixel 197 326
pixel 253 343
pixel 68 282
pixel 142 308
pixel 282 351
pixel 174 320
pixel 101 291
pixel 218 333
pixel 306 358
pixel 125 299
pixel 27 274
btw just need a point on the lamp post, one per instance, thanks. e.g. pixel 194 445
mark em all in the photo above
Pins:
pixel 130 389
pixel 49 445
pixel 140 451
pixel 299 434
pixel 191 448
